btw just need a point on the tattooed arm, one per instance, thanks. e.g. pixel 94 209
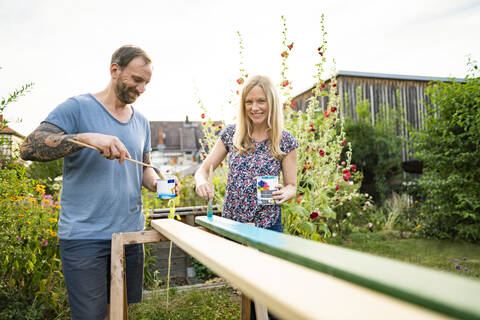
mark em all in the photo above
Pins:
pixel 49 142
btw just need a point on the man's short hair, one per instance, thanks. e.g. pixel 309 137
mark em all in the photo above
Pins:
pixel 123 55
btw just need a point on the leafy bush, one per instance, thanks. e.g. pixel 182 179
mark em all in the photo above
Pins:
pixel 449 146
pixel 30 271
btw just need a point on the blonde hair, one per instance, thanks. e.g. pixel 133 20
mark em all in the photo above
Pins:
pixel 242 140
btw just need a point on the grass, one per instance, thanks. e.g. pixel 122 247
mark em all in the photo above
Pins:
pixel 195 305
pixel 436 254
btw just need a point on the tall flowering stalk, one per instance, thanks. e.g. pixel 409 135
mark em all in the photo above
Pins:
pixel 328 201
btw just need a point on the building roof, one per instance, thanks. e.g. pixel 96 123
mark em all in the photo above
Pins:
pixel 394 76
pixel 8 130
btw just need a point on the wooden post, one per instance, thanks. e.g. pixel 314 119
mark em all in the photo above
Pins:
pixel 118 306
pixel 245 307
pixel 118 282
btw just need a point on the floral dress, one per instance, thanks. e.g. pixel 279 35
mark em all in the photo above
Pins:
pixel 240 202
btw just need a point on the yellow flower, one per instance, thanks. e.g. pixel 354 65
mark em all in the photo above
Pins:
pixel 32 200
pixel 416 201
pixel 21 215
pixel 419 227
pixel 53 219
pixel 40 188
pixel 421 213
pixel 46 201
pixel 53 233
pixel 29 222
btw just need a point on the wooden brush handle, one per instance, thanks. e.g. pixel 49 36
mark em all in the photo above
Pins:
pixel 86 145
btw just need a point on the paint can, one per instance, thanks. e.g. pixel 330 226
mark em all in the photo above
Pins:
pixel 265 186
pixel 166 188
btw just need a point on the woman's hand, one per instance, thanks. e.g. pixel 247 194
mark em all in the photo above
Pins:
pixel 284 193
pixel 205 191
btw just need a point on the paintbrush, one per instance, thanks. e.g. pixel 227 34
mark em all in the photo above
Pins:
pixel 210 183
pixel 129 159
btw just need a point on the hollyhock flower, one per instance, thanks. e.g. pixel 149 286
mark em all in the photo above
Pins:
pixel 219 127
pixel 343 142
pixel 345 171
pixel 347 177
pixel 202 116
pixel 293 104
pixel 314 215
pixel 311 130
pixel 323 85
pixel 334 85
pixel 326 114
pixel 285 83
pixel 321 153
pixel 353 167
pixel 240 80
pixel 337 187
pixel 237 92
pixel 290 46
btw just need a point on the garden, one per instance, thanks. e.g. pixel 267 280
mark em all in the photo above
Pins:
pixel 431 220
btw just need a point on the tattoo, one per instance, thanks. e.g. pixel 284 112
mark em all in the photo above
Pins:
pixel 48 142
pixel 146 159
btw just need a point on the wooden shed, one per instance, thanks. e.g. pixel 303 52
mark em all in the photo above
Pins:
pixel 381 90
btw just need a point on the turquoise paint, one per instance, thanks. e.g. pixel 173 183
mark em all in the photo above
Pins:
pixel 445 293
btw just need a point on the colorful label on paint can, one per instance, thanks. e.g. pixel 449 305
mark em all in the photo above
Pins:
pixel 166 188
pixel 265 187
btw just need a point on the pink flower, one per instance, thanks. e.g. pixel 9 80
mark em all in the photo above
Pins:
pixel 337 187
pixel 321 153
pixel 44 243
pixel 353 167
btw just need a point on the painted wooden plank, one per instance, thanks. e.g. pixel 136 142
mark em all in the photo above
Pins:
pixel 287 289
pixel 449 294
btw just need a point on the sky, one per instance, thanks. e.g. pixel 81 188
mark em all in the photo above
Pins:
pixel 65 47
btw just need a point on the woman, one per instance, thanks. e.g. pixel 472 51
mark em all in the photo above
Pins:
pixel 258 146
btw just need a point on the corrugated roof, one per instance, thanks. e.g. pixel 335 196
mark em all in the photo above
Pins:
pixel 394 76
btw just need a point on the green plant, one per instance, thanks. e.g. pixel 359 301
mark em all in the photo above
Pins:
pixel 449 146
pixel 47 174
pixel 202 271
pixel 30 265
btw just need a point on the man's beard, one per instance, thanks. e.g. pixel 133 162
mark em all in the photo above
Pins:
pixel 123 93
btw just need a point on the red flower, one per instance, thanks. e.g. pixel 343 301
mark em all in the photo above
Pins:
pixel 285 83
pixel 311 125
pixel 314 215
pixel 326 114
pixel 321 153
pixel 240 80
pixel 337 187
pixel 237 92
pixel 221 164
pixel 311 130
pixel 343 142
pixel 219 127
pixel 347 176
pixel 246 76
pixel 298 200
pixel 345 171
pixel 290 46
pixel 304 168
pixel 293 105
pixel 202 115
pixel 333 109
pixel 284 54
pixel 323 85
pixel 353 167
pixel 320 50
pixel 204 156
pixel 334 85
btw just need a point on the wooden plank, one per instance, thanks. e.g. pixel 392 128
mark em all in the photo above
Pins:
pixel 245 315
pixel 448 294
pixel 288 290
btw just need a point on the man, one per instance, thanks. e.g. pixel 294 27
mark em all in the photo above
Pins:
pixel 100 197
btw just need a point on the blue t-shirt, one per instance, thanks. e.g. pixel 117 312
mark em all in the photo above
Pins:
pixel 99 196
